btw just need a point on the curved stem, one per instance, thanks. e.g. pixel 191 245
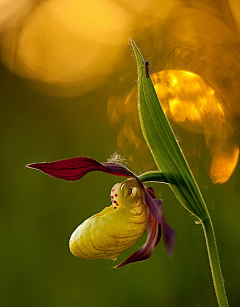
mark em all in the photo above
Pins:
pixel 153 176
pixel 215 263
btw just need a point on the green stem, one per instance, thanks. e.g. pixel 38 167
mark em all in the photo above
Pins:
pixel 153 176
pixel 211 243
pixel 215 263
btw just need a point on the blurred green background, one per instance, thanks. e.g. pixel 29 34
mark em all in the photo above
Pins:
pixel 48 115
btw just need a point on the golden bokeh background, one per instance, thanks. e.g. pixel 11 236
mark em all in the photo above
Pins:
pixel 69 88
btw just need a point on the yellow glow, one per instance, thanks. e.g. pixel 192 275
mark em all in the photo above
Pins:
pixel 188 100
pixel 174 81
pixel 71 46
pixel 96 20
pixel 223 164
pixel 192 103
pixel 12 11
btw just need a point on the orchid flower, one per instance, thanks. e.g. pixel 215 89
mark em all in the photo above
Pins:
pixel 134 207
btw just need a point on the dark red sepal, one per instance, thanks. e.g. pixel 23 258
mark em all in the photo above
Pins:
pixel 155 206
pixel 75 168
pixel 154 235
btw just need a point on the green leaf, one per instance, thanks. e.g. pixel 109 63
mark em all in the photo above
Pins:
pixel 164 146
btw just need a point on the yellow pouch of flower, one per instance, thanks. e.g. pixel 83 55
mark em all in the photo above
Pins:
pixel 106 234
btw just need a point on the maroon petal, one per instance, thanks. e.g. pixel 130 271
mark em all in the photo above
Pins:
pixel 76 168
pixel 154 235
pixel 118 169
pixel 168 237
pixel 155 206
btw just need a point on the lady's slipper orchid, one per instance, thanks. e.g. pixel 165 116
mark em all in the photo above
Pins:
pixel 117 227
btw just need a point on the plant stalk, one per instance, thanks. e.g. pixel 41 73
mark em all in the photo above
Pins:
pixel 217 277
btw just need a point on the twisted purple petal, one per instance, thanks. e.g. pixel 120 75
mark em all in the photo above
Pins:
pixel 155 206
